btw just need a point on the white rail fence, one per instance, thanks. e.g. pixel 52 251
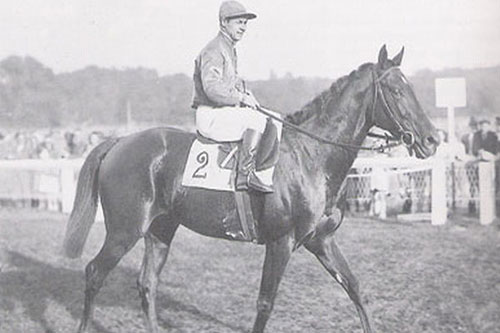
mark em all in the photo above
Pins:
pixel 46 184
pixel 422 189
pixel 405 187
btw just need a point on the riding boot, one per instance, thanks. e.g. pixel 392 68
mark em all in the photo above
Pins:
pixel 246 177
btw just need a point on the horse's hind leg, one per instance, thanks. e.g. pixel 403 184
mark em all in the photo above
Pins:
pixel 157 241
pixel 116 245
pixel 277 257
pixel 330 256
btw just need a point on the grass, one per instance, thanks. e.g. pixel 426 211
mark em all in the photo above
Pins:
pixel 414 277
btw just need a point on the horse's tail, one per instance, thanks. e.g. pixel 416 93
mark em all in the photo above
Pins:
pixel 85 205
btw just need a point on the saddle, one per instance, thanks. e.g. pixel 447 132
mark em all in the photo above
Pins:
pixel 240 224
pixel 267 154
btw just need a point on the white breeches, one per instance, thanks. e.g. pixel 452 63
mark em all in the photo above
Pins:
pixel 228 123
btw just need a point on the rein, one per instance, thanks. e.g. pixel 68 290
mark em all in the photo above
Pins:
pixel 299 129
pixel 381 148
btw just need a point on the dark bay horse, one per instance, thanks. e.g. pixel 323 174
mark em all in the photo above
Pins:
pixel 138 179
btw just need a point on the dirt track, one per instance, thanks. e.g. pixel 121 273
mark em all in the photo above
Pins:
pixel 415 278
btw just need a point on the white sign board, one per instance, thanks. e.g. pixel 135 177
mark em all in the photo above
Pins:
pixel 450 92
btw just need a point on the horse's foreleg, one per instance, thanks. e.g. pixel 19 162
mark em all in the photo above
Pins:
pixel 155 256
pixel 114 248
pixel 277 256
pixel 330 256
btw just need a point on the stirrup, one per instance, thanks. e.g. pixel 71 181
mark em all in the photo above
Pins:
pixel 255 183
pixel 251 181
pixel 241 182
pixel 237 235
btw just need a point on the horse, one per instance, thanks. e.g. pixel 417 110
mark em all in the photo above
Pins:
pixel 138 180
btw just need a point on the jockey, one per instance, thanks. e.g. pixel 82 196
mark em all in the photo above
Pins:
pixel 225 109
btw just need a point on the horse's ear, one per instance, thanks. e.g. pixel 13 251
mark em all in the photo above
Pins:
pixel 399 57
pixel 382 55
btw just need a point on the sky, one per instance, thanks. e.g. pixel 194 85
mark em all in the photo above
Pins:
pixel 325 38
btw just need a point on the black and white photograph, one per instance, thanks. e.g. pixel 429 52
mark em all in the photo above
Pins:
pixel 249 166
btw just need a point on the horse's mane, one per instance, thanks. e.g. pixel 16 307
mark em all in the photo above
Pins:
pixel 317 105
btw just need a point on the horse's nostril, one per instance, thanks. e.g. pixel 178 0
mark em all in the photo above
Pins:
pixel 432 140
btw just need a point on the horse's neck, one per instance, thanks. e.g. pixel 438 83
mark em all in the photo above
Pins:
pixel 344 123
pixel 347 124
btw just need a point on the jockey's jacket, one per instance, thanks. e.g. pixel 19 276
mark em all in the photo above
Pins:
pixel 216 81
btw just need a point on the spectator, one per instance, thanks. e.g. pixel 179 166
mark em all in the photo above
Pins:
pixel 378 206
pixel 75 144
pixel 469 141
pixel 94 139
pixel 485 142
pixel 22 146
pixel 450 150
pixel 70 142
pixel 468 138
pixel 43 150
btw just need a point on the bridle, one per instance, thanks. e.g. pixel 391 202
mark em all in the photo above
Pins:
pixel 406 137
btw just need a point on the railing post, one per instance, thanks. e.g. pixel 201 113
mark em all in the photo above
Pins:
pixel 379 181
pixel 487 209
pixel 439 211
pixel 68 186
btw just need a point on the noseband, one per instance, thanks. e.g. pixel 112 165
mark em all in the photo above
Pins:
pixel 406 137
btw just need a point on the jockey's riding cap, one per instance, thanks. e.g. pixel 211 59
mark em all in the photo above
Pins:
pixel 234 9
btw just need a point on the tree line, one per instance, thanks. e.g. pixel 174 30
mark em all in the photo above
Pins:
pixel 31 94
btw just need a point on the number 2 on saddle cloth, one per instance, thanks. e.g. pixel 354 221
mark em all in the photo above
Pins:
pixel 213 165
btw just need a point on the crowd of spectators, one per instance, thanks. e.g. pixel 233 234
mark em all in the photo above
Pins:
pixel 481 141
pixel 481 144
pixel 49 143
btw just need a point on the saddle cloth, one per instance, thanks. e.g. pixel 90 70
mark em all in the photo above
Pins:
pixel 212 165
